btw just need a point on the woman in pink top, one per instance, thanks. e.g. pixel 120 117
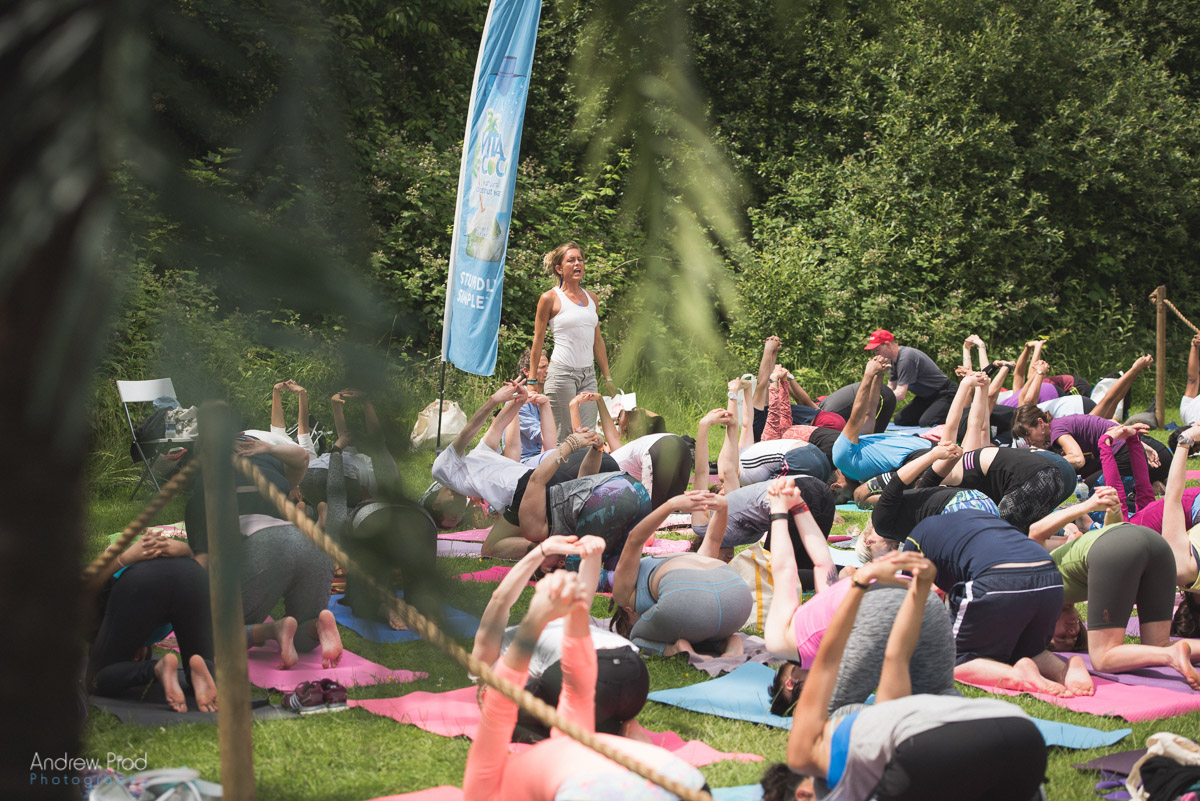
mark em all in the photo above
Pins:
pixel 570 312
pixel 560 769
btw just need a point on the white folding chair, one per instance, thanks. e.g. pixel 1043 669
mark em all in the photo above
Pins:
pixel 147 392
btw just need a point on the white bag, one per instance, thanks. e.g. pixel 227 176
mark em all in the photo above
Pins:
pixel 1180 749
pixel 622 401
pixel 425 431
pixel 753 564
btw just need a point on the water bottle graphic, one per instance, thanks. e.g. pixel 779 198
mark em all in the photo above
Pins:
pixel 487 231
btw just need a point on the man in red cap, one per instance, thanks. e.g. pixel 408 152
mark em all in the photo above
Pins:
pixel 914 372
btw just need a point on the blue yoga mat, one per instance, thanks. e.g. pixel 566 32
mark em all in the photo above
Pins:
pixel 458 623
pixel 742 695
pixel 851 507
pixel 743 792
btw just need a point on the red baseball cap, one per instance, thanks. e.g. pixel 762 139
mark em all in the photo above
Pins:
pixel 879 337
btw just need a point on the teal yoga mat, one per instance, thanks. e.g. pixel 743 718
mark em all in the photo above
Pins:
pixel 742 695
pixel 458 623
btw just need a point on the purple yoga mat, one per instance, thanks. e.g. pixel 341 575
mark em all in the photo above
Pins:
pixel 1118 764
pixel 1161 677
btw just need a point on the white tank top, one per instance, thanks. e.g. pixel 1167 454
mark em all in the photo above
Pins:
pixel 574 329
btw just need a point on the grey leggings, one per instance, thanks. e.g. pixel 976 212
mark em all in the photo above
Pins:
pixel 697 605
pixel 1130 565
pixel 564 383
pixel 932 666
pixel 280 562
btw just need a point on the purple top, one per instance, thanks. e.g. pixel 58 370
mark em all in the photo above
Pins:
pixel 1151 516
pixel 1046 391
pixel 1087 429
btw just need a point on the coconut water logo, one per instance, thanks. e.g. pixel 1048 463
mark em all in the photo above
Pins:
pixel 491 159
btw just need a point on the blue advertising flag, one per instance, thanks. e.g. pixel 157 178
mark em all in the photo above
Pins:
pixel 475 287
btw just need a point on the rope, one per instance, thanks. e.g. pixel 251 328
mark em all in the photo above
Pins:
pixel 423 626
pixel 1179 314
pixel 92 573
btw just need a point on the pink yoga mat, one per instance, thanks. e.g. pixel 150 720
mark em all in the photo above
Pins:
pixel 459 548
pixel 474 535
pixel 456 713
pixel 1162 677
pixel 1134 703
pixel 495 573
pixel 662 547
pixel 352 670
pixel 443 793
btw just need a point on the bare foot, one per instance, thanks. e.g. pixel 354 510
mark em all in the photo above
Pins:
pixel 1079 681
pixel 202 684
pixel 393 618
pixel 1027 678
pixel 331 641
pixel 1181 660
pixel 733 646
pixel 682 646
pixel 166 670
pixel 285 635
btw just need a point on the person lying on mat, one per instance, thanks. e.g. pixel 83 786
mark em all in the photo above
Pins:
pixel 1115 568
pixel 153 588
pixel 793 631
pixel 673 604
pixel 559 767
pixel 1004 595
pixel 622 680
pixel 277 559
pixel 748 512
pixel 366 461
pixel 461 473
pixel 859 457
pixel 905 747
pixel 661 462
pixel 765 459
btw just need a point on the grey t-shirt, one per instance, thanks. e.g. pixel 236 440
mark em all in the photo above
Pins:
pixel 749 516
pixel 916 370
pixel 879 729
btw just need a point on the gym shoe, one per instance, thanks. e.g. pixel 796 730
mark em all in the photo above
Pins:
pixel 334 695
pixel 307 699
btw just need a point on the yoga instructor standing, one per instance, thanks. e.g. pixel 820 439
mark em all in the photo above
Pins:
pixel 571 313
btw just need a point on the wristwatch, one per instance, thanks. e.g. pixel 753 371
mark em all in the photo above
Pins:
pixel 1184 439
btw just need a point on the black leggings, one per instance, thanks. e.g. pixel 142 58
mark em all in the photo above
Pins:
pixel 997 759
pixel 146 596
pixel 1130 565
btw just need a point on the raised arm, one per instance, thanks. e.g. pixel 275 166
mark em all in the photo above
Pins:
pixel 492 623
pixel 1023 363
pixel 508 391
pixel 1193 371
pixel 1041 531
pixel 700 479
pixel 812 710
pixel 507 414
pixel 954 415
pixel 864 398
pixel 978 433
pixel 294 458
pixel 997 384
pixel 784 578
pixel 277 420
pixel 718 508
pixel 1032 390
pixel 625 576
pixel 895 680
pixel 1175 524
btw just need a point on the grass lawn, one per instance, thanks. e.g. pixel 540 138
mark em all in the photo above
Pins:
pixel 355 755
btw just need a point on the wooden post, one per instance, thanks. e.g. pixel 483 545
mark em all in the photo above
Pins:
pixel 225 596
pixel 1160 375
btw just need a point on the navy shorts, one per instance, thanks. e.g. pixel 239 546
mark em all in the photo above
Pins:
pixel 1005 614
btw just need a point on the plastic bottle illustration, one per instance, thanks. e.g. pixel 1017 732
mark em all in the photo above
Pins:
pixel 487 231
